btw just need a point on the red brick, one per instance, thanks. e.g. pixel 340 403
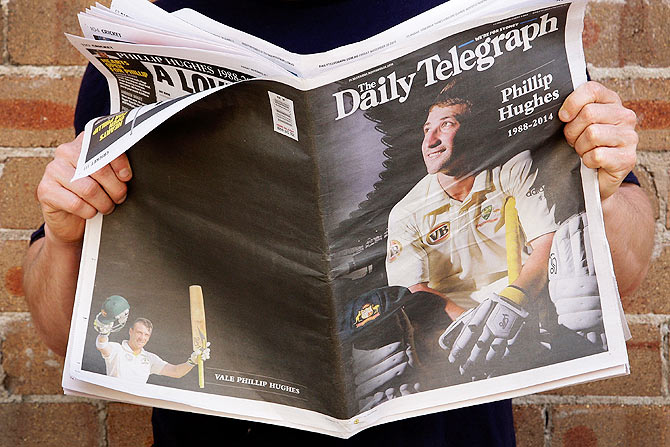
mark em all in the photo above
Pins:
pixel 37 111
pixel 41 424
pixel 632 33
pixel 30 367
pixel 11 291
pixel 30 114
pixel 610 425
pixel 649 99
pixel 645 378
pixel 529 425
pixel 18 206
pixel 652 296
pixel 651 114
pixel 654 140
pixel 601 34
pixel 129 426
pixel 36 30
pixel 645 33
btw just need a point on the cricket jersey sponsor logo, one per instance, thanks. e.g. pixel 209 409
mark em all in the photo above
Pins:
pixel 395 248
pixel 438 234
pixel 534 191
pixel 366 313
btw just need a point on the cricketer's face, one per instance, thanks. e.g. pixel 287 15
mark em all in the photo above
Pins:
pixel 139 335
pixel 439 131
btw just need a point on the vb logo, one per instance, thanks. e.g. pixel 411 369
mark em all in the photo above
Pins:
pixel 438 234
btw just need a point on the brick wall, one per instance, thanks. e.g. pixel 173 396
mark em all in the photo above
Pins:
pixel 627 45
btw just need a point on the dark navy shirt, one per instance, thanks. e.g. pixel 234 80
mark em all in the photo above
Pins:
pixel 309 27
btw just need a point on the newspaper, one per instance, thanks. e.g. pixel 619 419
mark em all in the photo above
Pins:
pixel 323 218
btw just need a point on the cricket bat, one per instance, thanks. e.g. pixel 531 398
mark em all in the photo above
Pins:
pixel 198 329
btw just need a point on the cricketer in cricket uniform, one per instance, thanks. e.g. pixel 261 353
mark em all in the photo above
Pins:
pixel 447 252
pixel 447 236
pixel 129 360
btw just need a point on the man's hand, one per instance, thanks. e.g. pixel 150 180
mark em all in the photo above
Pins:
pixel 66 205
pixel 602 131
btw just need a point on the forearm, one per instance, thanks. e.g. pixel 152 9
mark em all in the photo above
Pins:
pixel 176 371
pixel 49 281
pixel 629 225
pixel 533 276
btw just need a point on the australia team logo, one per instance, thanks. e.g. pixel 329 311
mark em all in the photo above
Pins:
pixel 395 248
pixel 488 215
pixel 366 313
pixel 486 212
pixel 438 234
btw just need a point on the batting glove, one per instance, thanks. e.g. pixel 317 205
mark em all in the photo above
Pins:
pixel 383 374
pixel 202 354
pixel 573 286
pixel 481 337
pixel 102 328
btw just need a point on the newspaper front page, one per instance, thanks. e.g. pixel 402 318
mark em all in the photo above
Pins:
pixel 325 220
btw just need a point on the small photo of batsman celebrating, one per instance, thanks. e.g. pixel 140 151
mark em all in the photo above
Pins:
pixel 128 360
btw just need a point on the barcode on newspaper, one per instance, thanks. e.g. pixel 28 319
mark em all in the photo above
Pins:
pixel 283 115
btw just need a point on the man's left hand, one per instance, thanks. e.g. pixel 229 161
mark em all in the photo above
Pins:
pixel 602 131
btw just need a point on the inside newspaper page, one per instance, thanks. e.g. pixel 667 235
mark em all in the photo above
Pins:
pixel 300 241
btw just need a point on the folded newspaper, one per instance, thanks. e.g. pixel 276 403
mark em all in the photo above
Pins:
pixel 338 240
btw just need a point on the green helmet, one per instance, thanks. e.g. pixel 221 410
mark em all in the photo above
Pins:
pixel 115 309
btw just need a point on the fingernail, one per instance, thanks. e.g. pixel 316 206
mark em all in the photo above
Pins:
pixel 122 199
pixel 563 114
pixel 124 173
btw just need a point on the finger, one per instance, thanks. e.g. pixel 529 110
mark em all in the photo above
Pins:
pixel 61 199
pixel 614 163
pixel 480 349
pixel 596 113
pixel 590 92
pixel 86 188
pixel 110 183
pixel 607 135
pixel 121 167
pixel 497 350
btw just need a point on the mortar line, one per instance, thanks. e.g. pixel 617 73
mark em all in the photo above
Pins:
pixel 548 425
pixel 593 400
pixel 628 71
pixel 25 152
pixel 48 71
pixel 4 4
pixel 664 358
pixel 8 234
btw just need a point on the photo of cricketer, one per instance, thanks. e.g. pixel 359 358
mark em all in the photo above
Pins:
pixel 129 360
pixel 475 244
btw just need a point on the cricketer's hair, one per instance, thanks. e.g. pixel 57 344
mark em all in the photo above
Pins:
pixel 145 322
pixel 453 93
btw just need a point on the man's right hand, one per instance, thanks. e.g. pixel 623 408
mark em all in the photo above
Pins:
pixel 66 204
